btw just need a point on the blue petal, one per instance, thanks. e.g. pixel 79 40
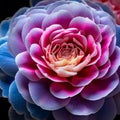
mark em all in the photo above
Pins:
pixel 3 40
pixel 7 62
pixel 37 112
pixel 118 34
pixel 4 26
pixel 5 82
pixel 16 100
pixel 4 86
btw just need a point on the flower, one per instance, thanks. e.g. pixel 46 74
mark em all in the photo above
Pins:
pixel 114 5
pixel 67 59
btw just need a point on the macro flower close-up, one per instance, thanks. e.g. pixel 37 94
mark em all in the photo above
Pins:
pixel 60 61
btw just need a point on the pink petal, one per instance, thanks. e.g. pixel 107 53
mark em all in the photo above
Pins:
pixel 87 26
pixel 100 88
pixel 36 54
pixel 104 56
pixel 22 85
pixel 81 106
pixel 64 90
pixel 44 41
pixel 33 37
pixel 86 76
pixel 47 73
pixel 27 66
pixel 41 96
pixel 104 69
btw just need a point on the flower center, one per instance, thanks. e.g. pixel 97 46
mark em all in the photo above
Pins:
pixel 66 51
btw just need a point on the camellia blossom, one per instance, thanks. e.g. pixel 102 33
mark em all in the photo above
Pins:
pixel 67 61
pixel 114 5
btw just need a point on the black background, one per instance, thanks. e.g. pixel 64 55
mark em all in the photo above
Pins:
pixel 8 9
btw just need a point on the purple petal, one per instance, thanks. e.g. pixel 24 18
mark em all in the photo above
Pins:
pixel 107 112
pixel 104 69
pixel 15 42
pixel 64 90
pixel 34 21
pixel 61 17
pixel 85 76
pixel 22 85
pixel 115 62
pixel 41 95
pixel 81 106
pixel 27 66
pixel 78 9
pixel 63 114
pixel 117 102
pixel 100 88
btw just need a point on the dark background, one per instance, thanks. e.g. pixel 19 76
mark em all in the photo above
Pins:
pixel 8 9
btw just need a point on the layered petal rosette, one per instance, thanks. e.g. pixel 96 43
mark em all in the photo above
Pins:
pixel 67 57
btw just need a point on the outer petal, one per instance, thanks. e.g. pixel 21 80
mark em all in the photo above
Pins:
pixel 4 26
pixel 63 114
pixel 34 21
pixel 22 85
pixel 37 112
pixel 7 62
pixel 118 34
pixel 15 42
pixel 107 112
pixel 61 17
pixel 100 88
pixel 78 9
pixel 117 102
pixel 41 96
pixel 16 99
pixel 81 106
pixel 115 62
pixel 64 90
